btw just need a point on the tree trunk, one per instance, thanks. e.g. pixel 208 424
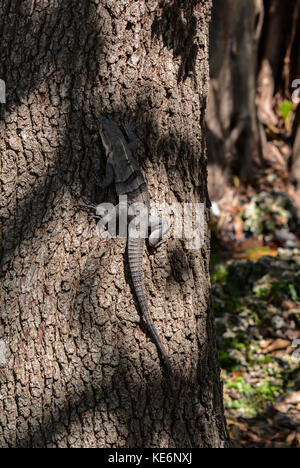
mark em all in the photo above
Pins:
pixel 76 367
pixel 295 169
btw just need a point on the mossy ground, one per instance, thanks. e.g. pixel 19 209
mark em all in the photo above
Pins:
pixel 257 313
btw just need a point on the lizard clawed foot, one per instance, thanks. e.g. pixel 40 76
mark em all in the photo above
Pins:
pixel 128 125
pixel 87 206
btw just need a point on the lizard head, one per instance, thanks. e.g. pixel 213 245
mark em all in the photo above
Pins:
pixel 110 133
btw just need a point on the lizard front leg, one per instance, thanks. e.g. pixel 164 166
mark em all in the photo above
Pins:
pixel 112 216
pixel 109 176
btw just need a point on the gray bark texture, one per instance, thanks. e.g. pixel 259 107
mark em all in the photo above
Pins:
pixel 77 368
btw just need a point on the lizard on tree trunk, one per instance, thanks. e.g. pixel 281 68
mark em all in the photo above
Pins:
pixel 133 194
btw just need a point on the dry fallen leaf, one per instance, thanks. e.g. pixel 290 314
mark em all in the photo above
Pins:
pixel 277 345
pixel 239 227
pixel 254 437
pixel 288 304
pixel 293 398
pixel 237 373
pixel 292 334
pixel 264 344
pixel 257 254
pixel 282 407
pixel 290 438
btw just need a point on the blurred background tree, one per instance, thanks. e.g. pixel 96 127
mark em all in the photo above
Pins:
pixel 253 125
pixel 253 133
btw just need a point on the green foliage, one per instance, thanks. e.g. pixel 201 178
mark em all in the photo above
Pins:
pixel 258 250
pixel 265 393
pixel 238 346
pixel 293 292
pixel 233 302
pixel 276 291
pixel 262 292
pixel 265 360
pixel 268 211
pixel 220 275
pixel 226 360
pixel 240 386
pixel 286 110
pixel 247 295
pixel 253 398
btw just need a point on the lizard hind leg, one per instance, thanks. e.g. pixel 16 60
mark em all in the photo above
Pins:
pixel 158 229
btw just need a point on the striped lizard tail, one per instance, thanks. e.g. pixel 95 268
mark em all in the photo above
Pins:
pixel 135 259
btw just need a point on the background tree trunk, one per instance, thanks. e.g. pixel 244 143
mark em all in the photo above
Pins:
pixel 254 57
pixel 76 368
pixel 295 170
pixel 233 141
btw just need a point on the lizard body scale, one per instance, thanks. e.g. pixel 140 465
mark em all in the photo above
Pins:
pixel 123 169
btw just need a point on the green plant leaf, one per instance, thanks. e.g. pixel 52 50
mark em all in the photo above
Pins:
pixel 285 109
pixel 293 292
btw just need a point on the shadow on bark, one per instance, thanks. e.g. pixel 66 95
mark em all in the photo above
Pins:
pixel 72 169
pixel 62 58
pixel 100 395
pixel 182 39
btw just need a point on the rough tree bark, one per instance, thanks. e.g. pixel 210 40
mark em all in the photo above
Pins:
pixel 76 367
